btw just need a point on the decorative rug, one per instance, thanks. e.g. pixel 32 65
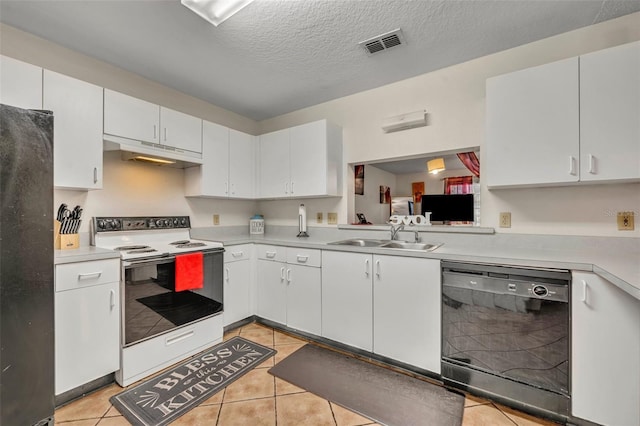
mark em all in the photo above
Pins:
pixel 162 399
pixel 375 392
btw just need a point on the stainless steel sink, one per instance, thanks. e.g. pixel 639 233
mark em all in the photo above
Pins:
pixel 360 242
pixel 390 244
pixel 410 246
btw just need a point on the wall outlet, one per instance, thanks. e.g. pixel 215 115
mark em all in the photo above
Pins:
pixel 505 219
pixel 332 218
pixel 625 221
pixel 216 219
pixel 319 217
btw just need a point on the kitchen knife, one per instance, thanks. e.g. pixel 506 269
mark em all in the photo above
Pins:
pixel 61 212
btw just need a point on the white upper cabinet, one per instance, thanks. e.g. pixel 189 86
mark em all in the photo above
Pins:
pixel 20 84
pixel 532 120
pixel 242 164
pixel 303 161
pixel 610 114
pixel 77 130
pixel 228 164
pixel 570 121
pixel 273 163
pixel 180 130
pixel 132 118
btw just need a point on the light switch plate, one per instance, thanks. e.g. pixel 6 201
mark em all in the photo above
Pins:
pixel 505 219
pixel 216 219
pixel 626 221
pixel 319 217
pixel 332 218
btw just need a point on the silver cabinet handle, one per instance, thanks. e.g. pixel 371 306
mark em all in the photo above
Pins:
pixel 292 187
pixel 112 299
pixel 583 299
pixel 270 254
pixel 165 134
pixel 95 175
pixel 155 132
pixel 289 276
pixel 282 274
pixel 89 275
pixel 378 268
pixel 233 188
pixel 226 187
pixel 176 339
pixel 367 270
pixel 227 277
pixel 237 253
pixel 592 164
pixel 286 187
pixel 302 259
pixel 572 165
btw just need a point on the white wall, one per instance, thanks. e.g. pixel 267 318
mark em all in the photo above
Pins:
pixel 369 203
pixel 454 98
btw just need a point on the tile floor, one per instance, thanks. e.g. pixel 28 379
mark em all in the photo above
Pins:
pixel 258 398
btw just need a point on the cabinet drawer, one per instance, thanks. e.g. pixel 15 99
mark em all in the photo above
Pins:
pixel 236 253
pixel 302 256
pixel 84 274
pixel 152 355
pixel 275 253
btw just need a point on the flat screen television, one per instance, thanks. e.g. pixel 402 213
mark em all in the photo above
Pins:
pixel 449 208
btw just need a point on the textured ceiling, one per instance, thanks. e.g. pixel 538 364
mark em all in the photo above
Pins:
pixel 277 56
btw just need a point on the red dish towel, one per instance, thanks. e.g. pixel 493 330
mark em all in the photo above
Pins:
pixel 189 274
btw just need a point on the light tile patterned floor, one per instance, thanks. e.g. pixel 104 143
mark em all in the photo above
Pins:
pixel 258 398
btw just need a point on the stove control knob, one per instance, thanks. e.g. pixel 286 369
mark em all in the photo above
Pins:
pixel 167 223
pixel 183 222
pixel 158 222
pixel 176 222
pixel 540 290
pixel 101 224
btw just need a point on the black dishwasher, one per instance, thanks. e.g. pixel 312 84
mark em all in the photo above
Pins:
pixel 506 333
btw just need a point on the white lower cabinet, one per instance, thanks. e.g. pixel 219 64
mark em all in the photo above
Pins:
pixel 406 310
pixel 237 283
pixel 347 298
pixel 289 287
pixel 605 347
pixel 87 322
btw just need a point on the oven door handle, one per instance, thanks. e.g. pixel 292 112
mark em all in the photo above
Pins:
pixel 155 261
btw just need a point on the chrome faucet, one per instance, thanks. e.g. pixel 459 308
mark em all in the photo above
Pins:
pixel 395 229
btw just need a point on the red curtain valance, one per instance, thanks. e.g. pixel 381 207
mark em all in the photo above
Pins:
pixel 470 160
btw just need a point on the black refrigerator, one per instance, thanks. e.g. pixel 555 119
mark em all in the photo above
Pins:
pixel 26 267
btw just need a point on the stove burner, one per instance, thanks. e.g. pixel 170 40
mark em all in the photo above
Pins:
pixel 179 242
pixel 142 250
pixel 124 248
pixel 190 244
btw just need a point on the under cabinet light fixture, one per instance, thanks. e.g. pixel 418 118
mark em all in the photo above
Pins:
pixel 215 11
pixel 152 160
pixel 435 166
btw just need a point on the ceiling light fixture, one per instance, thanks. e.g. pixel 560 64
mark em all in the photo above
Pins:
pixel 435 166
pixel 215 11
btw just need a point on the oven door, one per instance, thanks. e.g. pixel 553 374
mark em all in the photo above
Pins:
pixel 153 307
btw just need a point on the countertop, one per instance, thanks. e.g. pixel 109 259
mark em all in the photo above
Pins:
pixel 83 254
pixel 615 259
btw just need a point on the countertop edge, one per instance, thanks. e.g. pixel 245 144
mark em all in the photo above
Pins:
pixel 83 254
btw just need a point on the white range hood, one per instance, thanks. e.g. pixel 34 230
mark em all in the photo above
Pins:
pixel 134 150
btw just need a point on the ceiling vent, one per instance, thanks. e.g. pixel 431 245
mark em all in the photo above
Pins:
pixel 383 42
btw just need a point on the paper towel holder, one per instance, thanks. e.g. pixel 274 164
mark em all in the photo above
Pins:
pixel 302 221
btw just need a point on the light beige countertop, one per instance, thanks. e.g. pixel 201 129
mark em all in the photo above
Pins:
pixel 615 259
pixel 83 254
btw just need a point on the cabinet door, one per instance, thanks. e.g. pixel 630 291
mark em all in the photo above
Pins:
pixel 211 179
pixel 20 84
pixel 304 299
pixel 308 148
pixel 610 113
pixel 272 291
pixel 406 297
pixel 131 118
pixel 77 151
pixel 347 298
pixel 605 347
pixel 532 126
pixel 274 177
pixel 237 281
pixel 87 335
pixel 242 150
pixel 181 131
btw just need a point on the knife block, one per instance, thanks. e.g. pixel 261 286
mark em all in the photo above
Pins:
pixel 64 241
